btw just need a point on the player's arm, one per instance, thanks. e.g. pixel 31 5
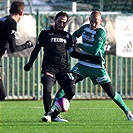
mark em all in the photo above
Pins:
pixel 73 53
pixel 35 52
pixel 33 57
pixel 78 32
pixel 16 48
pixel 10 35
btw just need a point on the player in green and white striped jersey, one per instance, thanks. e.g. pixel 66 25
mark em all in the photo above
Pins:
pixel 93 43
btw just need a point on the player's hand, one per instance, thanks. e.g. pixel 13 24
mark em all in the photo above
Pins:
pixel 74 40
pixel 27 67
pixel 76 45
pixel 28 44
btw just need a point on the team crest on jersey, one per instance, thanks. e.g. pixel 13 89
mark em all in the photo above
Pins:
pixel 67 36
pixel 100 38
pixel 75 68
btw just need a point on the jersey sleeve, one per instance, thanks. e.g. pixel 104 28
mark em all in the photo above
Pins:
pixel 41 38
pixel 69 41
pixel 10 35
pixel 36 50
pixel 11 28
pixel 99 41
pixel 79 31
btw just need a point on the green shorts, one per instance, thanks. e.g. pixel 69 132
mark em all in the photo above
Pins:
pixel 97 75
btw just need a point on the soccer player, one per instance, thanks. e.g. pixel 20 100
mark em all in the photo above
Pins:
pixel 55 42
pixel 8 27
pixel 94 38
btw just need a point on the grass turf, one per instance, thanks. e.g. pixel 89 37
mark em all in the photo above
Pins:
pixel 84 116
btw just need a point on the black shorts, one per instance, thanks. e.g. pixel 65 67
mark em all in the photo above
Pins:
pixel 53 73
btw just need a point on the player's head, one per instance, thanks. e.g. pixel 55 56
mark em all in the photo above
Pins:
pixel 95 20
pixel 61 19
pixel 17 8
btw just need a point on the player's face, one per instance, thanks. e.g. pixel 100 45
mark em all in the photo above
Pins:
pixel 95 22
pixel 60 23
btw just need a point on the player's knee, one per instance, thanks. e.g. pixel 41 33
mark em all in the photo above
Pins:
pixel 73 90
pixel 46 91
pixel 69 94
pixel 69 97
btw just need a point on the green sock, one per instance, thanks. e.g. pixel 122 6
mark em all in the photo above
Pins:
pixel 118 100
pixel 59 94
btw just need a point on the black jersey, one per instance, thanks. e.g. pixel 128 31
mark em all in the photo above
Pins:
pixel 8 27
pixel 55 44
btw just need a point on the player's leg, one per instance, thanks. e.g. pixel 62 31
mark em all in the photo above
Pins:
pixel 115 96
pixel 100 76
pixel 76 73
pixel 66 81
pixel 117 99
pixel 48 81
pixel 2 90
pixel 60 93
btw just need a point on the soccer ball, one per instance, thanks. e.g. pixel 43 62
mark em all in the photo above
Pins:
pixel 62 104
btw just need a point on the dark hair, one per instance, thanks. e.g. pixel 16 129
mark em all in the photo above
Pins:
pixel 61 14
pixel 16 7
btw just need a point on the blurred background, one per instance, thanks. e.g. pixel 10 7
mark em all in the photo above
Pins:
pixel 39 15
pixel 125 6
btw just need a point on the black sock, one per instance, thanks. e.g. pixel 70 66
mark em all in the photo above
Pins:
pixel 54 114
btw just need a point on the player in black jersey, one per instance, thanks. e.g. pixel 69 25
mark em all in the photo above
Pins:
pixel 55 42
pixel 8 27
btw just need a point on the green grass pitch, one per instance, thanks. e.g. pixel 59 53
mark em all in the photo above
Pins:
pixel 84 116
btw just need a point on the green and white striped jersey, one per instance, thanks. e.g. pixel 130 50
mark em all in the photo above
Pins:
pixel 93 43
